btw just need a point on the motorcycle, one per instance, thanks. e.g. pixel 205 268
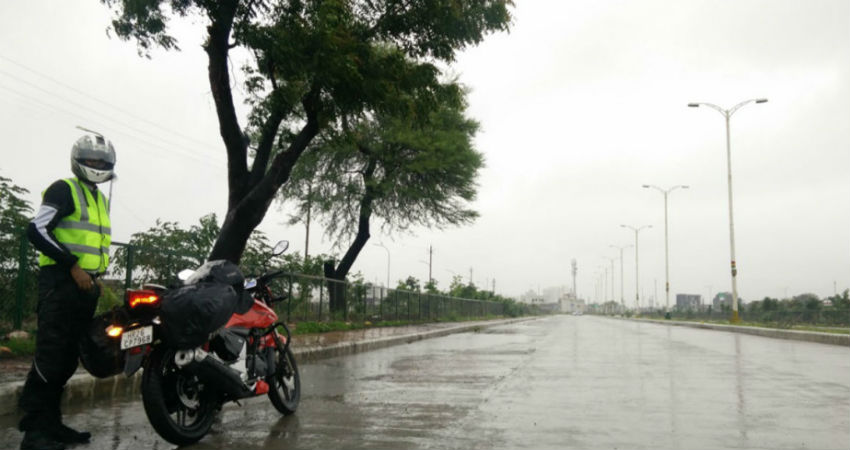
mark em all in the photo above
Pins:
pixel 183 389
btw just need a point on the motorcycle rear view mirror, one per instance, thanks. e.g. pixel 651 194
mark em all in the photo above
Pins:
pixel 184 274
pixel 280 247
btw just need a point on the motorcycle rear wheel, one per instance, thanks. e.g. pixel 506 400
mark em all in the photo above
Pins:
pixel 285 383
pixel 179 407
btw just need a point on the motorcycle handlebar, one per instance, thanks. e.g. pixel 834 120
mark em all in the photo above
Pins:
pixel 270 276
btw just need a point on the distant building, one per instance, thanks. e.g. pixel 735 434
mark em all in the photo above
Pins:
pixel 688 301
pixel 722 298
pixel 570 304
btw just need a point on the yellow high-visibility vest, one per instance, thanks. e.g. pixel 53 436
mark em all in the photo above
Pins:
pixel 85 232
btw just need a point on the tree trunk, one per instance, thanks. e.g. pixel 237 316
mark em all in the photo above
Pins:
pixel 336 288
pixel 249 193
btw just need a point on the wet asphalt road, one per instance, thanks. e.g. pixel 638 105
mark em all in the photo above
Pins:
pixel 559 382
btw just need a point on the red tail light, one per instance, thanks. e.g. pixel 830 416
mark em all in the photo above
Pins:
pixel 143 297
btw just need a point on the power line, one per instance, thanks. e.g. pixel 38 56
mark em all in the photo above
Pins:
pixel 103 102
pixel 167 151
pixel 103 116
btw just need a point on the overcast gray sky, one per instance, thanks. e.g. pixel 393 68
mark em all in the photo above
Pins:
pixel 580 104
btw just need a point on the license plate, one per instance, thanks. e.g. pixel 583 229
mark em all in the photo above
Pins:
pixel 137 337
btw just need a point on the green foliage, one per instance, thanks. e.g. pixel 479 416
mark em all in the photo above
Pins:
pixel 457 289
pixel 431 287
pixel 108 299
pixel 14 217
pixel 841 301
pixel 400 170
pixel 410 284
pixel 319 66
pixel 15 213
pixel 166 248
pixel 21 347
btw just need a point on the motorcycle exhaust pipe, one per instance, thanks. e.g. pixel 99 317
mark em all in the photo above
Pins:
pixel 212 371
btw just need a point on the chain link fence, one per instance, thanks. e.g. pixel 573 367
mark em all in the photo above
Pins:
pixel 309 300
pixel 308 297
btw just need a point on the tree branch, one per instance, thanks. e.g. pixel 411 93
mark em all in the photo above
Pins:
pixel 264 147
pixel 217 47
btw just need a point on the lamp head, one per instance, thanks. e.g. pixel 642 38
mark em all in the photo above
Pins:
pixel 694 105
pixel 761 100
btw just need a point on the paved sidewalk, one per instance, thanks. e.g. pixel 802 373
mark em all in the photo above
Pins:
pixel 83 387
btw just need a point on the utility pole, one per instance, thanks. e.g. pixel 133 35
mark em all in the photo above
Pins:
pixel 613 296
pixel 309 208
pixel 430 262
pixel 637 278
pixel 574 271
pixel 622 280
pixel 655 294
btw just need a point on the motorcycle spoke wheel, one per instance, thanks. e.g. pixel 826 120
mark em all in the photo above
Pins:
pixel 177 404
pixel 285 384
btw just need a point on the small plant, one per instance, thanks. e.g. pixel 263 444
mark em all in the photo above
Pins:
pixel 21 347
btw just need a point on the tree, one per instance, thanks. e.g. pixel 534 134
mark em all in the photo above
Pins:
pixel 431 287
pixel 410 284
pixel 14 217
pixel 400 171
pixel 317 64
pixel 165 249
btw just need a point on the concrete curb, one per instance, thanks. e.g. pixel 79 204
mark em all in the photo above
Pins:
pixel 84 388
pixel 350 348
pixel 808 336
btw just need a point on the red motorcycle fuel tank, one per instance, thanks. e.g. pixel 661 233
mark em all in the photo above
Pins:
pixel 259 316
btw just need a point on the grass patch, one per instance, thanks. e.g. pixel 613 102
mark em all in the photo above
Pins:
pixel 20 347
pixel 774 326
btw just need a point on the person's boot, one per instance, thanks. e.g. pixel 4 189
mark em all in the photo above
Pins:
pixel 67 435
pixel 40 440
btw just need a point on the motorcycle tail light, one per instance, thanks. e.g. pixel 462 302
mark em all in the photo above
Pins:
pixel 114 331
pixel 142 297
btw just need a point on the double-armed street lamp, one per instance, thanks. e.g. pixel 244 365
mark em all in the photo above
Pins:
pixel 622 280
pixel 727 114
pixel 666 253
pixel 637 278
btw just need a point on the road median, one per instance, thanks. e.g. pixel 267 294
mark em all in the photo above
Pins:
pixel 795 335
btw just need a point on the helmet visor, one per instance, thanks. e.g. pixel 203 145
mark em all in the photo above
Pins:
pixel 98 164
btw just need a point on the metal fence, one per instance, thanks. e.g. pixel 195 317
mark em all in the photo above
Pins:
pixel 309 297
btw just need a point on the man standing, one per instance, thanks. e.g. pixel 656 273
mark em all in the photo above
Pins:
pixel 72 233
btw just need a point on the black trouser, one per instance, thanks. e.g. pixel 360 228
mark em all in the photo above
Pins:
pixel 64 313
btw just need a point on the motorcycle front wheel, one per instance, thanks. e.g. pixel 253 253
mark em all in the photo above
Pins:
pixel 179 407
pixel 285 383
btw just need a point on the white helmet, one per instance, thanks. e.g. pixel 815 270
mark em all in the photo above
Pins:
pixel 93 158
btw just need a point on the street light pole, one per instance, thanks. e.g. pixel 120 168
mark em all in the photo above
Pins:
pixel 637 281
pixel 622 280
pixel 613 296
pixel 388 263
pixel 727 114
pixel 666 252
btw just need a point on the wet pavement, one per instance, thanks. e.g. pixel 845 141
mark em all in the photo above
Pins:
pixel 559 382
